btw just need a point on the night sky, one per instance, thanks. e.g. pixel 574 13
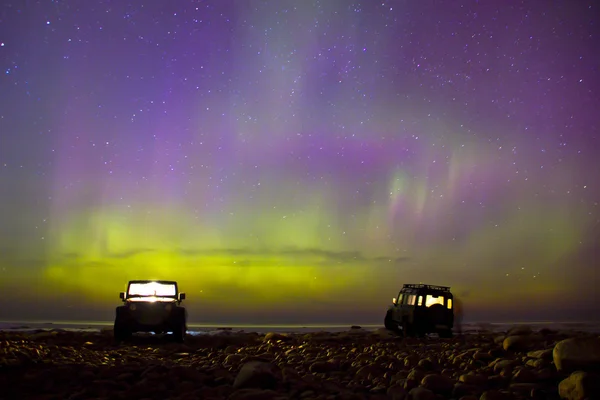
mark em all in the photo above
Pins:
pixel 298 161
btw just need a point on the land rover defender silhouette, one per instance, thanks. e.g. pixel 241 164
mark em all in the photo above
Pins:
pixel 421 309
pixel 151 306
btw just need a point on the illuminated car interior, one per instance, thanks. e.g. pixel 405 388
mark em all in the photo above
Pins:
pixel 152 292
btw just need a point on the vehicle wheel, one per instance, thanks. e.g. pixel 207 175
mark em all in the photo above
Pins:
pixel 389 322
pixel 407 329
pixel 437 314
pixel 445 333
pixel 121 332
pixel 179 333
pixel 417 330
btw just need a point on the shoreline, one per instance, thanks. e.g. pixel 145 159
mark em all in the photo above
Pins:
pixel 199 328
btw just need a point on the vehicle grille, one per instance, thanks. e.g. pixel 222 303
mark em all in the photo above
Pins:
pixel 150 313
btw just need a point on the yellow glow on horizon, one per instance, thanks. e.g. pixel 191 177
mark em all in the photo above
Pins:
pixel 298 255
pixel 116 247
pixel 256 280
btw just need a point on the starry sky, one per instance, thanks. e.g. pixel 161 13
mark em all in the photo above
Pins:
pixel 298 161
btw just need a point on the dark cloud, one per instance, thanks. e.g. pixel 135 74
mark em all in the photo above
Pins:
pixel 130 253
pixel 247 256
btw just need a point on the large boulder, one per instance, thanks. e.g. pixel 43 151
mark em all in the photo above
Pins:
pixel 258 374
pixel 276 336
pixel 516 342
pixel 420 393
pixel 580 385
pixel 578 353
pixel 438 384
pixel 519 330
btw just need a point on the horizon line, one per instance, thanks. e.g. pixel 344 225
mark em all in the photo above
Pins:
pixel 286 325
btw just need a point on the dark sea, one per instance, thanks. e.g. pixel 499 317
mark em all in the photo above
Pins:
pixel 200 329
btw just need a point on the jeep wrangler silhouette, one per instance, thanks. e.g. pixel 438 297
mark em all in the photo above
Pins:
pixel 151 306
pixel 421 309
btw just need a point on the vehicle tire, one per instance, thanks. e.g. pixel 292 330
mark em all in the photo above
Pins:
pixel 179 333
pixel 389 322
pixel 407 329
pixel 417 330
pixel 445 333
pixel 437 314
pixel 121 332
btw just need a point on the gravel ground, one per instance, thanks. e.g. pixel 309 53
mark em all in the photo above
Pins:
pixel 353 364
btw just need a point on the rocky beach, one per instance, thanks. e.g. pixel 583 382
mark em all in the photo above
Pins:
pixel 520 363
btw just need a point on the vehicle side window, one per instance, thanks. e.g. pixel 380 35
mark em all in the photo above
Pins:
pixel 410 299
pixel 449 304
pixel 420 300
pixel 400 298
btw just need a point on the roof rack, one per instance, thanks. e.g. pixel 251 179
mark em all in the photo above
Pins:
pixel 428 287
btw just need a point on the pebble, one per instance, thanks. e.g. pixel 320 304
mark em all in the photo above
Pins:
pixel 354 365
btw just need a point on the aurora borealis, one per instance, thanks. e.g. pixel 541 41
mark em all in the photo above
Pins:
pixel 298 161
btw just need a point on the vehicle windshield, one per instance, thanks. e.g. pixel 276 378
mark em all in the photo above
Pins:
pixel 152 291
